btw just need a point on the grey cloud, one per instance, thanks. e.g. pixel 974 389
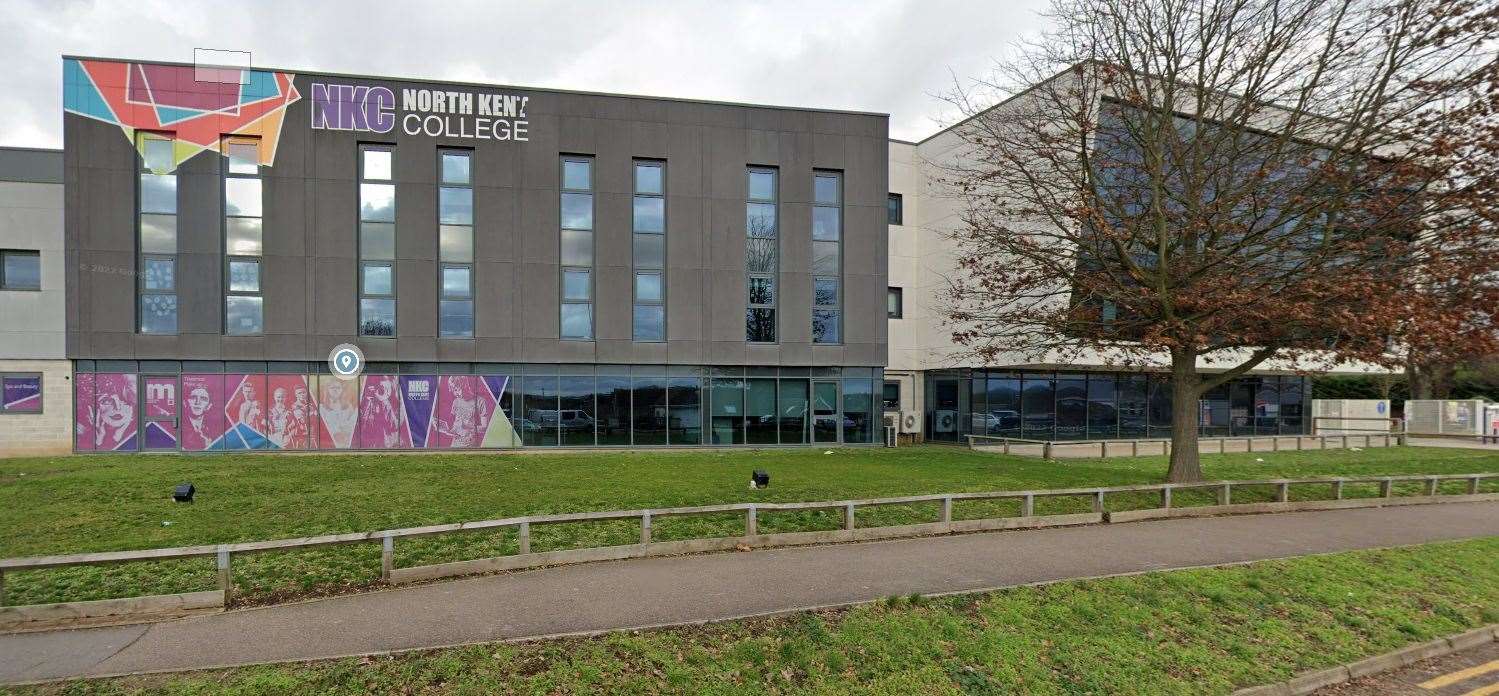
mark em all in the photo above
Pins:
pixel 882 55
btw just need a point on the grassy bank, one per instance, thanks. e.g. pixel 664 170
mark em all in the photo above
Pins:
pixel 103 503
pixel 1181 632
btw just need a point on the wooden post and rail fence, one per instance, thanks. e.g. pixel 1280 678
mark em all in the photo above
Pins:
pixel 13 616
pixel 1048 449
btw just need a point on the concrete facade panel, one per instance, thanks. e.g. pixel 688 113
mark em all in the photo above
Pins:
pixel 310 263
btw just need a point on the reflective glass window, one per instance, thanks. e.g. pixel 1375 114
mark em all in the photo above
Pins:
pixel 613 421
pixel 685 411
pixel 650 411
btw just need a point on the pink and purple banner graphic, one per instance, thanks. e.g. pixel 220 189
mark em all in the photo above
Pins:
pixel 105 412
pixel 21 395
pixel 160 411
pixel 217 412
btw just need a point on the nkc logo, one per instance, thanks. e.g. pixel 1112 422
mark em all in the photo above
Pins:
pixel 350 107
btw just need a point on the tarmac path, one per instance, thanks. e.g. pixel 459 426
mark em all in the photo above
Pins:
pixel 650 592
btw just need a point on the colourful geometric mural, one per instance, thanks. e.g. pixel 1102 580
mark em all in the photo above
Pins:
pixel 227 412
pixel 198 106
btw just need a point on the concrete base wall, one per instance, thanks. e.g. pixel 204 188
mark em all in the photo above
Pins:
pixel 47 433
pixel 135 608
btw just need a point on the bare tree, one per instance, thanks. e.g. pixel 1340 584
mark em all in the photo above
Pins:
pixel 1212 184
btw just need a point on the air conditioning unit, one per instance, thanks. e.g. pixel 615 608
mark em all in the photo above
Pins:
pixel 910 422
pixel 892 420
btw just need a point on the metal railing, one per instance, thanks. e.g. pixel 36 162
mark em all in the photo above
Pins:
pixel 1204 444
pixel 526 558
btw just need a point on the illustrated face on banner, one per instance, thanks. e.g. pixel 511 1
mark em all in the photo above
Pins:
pixel 290 416
pixel 114 411
pixel 83 412
pixel 381 425
pixel 203 420
pixel 338 411
pixel 245 412
pixel 463 414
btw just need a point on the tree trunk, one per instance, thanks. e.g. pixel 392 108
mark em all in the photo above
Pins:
pixel 1186 464
pixel 1417 380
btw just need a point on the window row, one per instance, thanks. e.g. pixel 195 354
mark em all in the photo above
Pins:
pixel 1047 406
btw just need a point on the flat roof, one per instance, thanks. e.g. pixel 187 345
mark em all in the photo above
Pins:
pixel 40 165
pixel 550 90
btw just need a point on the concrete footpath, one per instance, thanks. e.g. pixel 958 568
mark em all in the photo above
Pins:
pixel 660 591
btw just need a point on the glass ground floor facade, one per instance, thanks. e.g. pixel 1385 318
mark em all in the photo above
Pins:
pixel 1047 405
pixel 194 406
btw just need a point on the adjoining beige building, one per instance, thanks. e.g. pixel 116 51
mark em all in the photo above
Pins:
pixel 36 401
pixel 931 392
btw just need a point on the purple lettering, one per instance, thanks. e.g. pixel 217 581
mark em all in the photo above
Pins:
pixel 379 109
pixel 345 107
pixel 359 109
pixel 324 110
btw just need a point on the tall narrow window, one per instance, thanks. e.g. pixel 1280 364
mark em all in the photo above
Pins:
pixel 827 257
pixel 377 242
pixel 895 209
pixel 895 303
pixel 577 247
pixel 761 255
pixel 244 311
pixel 455 253
pixel 157 281
pixel 650 250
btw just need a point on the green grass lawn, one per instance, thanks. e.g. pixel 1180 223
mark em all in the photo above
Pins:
pixel 1193 632
pixel 105 503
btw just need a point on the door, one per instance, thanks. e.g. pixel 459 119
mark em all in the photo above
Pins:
pixel 944 416
pixel 159 413
pixel 825 415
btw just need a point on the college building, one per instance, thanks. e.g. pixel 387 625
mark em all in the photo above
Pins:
pixel 518 267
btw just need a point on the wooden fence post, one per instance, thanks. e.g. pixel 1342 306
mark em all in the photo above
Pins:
pixel 751 527
pixel 1283 492
pixel 1225 497
pixel 1166 497
pixel 645 527
pixel 226 578
pixel 1028 505
pixel 1046 450
pixel 1337 489
pixel 1098 500
pixel 1385 489
pixel 1431 486
pixel 947 509
pixel 1473 486
pixel 848 516
pixel 525 537
pixel 1134 448
pixel 2 588
pixel 387 557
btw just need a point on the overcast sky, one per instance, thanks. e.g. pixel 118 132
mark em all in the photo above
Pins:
pixel 874 55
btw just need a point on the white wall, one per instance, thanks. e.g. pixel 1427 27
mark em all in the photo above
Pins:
pixel 923 259
pixel 34 323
